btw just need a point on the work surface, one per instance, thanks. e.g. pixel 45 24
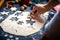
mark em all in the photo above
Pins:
pixel 5 14
pixel 7 35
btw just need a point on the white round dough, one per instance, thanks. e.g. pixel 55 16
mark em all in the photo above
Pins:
pixel 22 30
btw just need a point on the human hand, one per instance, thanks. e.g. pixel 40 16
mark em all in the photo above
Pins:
pixel 39 9
pixel 38 18
pixel 36 11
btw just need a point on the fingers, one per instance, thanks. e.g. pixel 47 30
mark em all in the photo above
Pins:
pixel 32 16
pixel 34 9
pixel 34 13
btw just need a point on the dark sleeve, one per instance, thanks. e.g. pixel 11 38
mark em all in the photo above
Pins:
pixel 53 27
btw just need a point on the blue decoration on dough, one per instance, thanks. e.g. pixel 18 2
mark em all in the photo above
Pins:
pixel 14 19
pixel 20 22
pixel 30 21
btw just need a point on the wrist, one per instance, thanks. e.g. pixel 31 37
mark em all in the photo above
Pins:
pixel 51 4
pixel 47 7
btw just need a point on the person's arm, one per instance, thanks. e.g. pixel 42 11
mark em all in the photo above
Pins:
pixel 41 8
pixel 46 7
pixel 51 4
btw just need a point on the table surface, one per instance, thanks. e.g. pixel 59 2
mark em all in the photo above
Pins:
pixel 8 36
